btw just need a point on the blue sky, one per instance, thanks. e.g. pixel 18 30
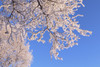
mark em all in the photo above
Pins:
pixel 86 54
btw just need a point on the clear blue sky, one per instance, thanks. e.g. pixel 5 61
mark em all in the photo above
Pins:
pixel 86 54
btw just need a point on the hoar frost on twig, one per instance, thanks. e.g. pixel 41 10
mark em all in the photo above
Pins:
pixel 15 54
pixel 49 15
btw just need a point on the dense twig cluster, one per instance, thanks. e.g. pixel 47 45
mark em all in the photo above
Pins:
pixel 15 54
pixel 23 16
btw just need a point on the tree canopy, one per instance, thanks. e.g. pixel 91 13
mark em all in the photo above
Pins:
pixel 20 17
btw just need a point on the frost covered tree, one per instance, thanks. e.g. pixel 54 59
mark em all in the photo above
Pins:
pixel 38 16
pixel 15 54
